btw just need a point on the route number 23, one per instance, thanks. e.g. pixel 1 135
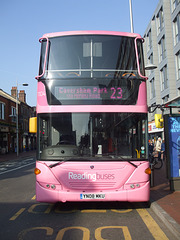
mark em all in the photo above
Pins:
pixel 116 93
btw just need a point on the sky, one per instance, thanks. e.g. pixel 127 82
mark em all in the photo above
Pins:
pixel 23 22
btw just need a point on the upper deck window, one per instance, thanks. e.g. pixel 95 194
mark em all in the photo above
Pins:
pixel 90 56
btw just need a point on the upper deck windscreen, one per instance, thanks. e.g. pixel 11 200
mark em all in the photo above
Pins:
pixel 90 56
pixel 99 68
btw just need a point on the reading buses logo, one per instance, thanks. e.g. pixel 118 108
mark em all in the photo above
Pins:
pixel 89 176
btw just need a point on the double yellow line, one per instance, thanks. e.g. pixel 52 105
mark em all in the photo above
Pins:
pixel 152 226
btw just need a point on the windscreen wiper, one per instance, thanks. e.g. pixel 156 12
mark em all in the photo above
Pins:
pixel 55 164
pixel 64 160
pixel 129 161
pixel 134 165
pixel 58 163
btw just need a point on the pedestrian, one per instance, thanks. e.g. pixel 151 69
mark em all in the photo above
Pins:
pixel 163 149
pixel 151 147
pixel 151 150
pixel 158 148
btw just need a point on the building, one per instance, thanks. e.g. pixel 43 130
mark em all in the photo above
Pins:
pixel 8 136
pixel 162 48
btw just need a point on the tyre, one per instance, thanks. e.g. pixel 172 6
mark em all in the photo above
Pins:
pixel 158 163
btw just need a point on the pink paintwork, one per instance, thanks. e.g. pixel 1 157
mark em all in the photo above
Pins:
pixel 47 45
pixel 73 33
pixel 43 107
pixel 137 58
pixel 119 181
pixel 71 181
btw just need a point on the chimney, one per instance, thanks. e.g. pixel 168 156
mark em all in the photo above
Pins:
pixel 22 96
pixel 14 92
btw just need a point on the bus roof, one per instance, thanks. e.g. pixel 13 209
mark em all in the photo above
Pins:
pixel 71 33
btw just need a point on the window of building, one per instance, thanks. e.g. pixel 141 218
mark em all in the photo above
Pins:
pixel 162 49
pixel 149 36
pixel 165 99
pixel 13 111
pixel 164 78
pixel 152 88
pixel 2 110
pixel 160 21
pixel 178 65
pixel 174 4
pixel 178 91
pixel 150 59
pixel 13 114
pixel 176 29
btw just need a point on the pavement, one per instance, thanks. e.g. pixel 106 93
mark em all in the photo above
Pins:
pixel 13 156
pixel 164 202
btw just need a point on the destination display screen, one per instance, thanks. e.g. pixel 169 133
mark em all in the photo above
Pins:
pixel 90 92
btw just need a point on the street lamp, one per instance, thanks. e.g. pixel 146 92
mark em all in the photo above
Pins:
pixel 150 66
pixel 17 127
pixel 131 16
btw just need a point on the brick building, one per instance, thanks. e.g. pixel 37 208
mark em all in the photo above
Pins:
pixel 8 135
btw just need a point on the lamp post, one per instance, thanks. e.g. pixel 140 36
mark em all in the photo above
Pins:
pixel 17 126
pixel 131 16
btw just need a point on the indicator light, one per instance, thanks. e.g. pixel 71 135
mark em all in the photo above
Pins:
pixel 148 171
pixel 37 171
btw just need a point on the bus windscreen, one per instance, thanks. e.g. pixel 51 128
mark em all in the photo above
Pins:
pixel 95 135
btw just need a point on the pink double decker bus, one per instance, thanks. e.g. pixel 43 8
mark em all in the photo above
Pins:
pixel 92 124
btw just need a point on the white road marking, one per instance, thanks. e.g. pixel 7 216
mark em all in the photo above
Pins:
pixel 14 169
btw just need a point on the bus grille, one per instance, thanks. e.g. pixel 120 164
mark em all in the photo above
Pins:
pixel 92 185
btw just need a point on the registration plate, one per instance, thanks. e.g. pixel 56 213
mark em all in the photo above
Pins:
pixel 92 196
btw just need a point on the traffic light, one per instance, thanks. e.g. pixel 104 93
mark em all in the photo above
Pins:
pixel 159 121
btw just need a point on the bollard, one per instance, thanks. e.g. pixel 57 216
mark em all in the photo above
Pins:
pixel 152 175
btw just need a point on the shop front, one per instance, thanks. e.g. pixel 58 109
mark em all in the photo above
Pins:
pixel 4 139
pixel 155 132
